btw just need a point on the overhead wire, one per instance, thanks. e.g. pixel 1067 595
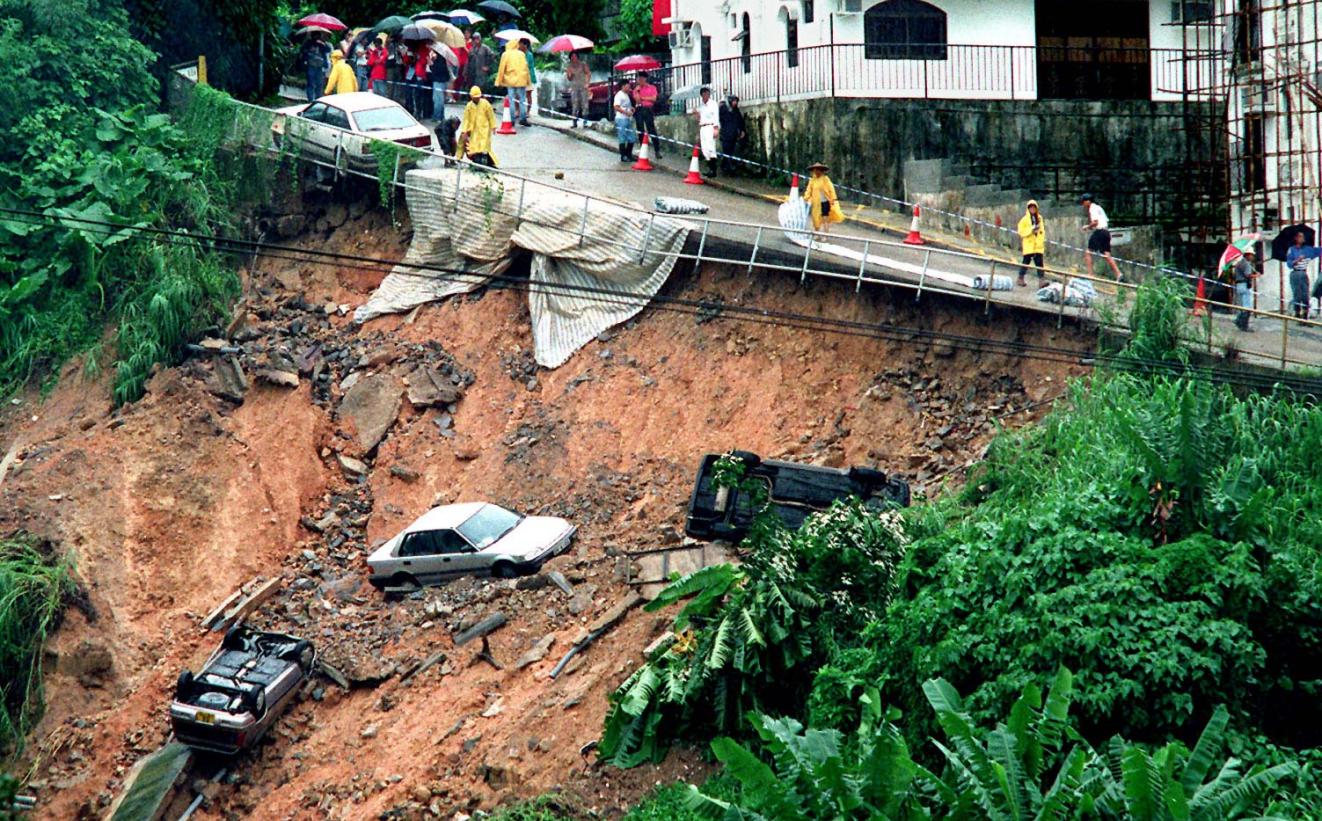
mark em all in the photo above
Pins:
pixel 695 307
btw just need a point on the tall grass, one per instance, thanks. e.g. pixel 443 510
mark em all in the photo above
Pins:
pixel 34 586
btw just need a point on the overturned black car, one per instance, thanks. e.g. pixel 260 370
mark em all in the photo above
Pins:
pixel 795 491
pixel 241 690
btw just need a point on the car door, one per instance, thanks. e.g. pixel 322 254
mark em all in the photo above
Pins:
pixel 336 134
pixel 303 130
pixel 432 555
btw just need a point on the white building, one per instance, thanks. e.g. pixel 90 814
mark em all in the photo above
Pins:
pixel 964 49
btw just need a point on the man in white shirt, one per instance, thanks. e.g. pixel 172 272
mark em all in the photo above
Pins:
pixel 709 128
pixel 624 131
pixel 1099 241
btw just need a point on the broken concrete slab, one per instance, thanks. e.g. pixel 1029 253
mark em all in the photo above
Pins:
pixel 536 653
pixel 429 387
pixel 488 625
pixel 371 406
pixel 227 380
pixel 558 579
pixel 282 378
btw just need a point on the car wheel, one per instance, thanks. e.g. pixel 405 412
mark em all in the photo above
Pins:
pixel 750 459
pixel 234 638
pixel 183 685
pixel 503 570
pixel 296 650
pixel 897 490
pixel 404 580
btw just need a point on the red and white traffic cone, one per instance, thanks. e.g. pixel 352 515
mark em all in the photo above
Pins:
pixel 794 188
pixel 506 122
pixel 914 237
pixel 695 173
pixel 644 155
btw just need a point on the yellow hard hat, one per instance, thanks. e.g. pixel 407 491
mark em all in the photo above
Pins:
pixel 475 92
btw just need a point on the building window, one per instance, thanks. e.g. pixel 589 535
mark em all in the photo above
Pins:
pixel 1255 154
pixel 791 43
pixel 807 11
pixel 904 30
pixel 746 45
pixel 704 55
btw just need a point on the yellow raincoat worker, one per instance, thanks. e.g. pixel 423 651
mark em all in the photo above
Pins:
pixel 512 75
pixel 341 79
pixel 475 131
pixel 1033 233
pixel 823 205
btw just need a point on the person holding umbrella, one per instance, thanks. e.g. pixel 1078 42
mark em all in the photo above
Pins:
pixel 314 55
pixel 475 130
pixel 624 131
pixel 376 65
pixel 645 113
pixel 1297 259
pixel 512 75
pixel 1243 275
pixel 579 78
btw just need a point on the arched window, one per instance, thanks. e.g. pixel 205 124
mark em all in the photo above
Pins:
pixel 789 19
pixel 904 30
pixel 746 43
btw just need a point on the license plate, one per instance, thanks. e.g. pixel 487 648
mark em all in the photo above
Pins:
pixel 203 717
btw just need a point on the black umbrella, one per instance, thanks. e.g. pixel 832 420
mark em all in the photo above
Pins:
pixel 498 7
pixel 1285 240
pixel 431 15
pixel 416 33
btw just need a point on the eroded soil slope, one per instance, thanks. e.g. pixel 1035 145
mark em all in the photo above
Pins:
pixel 171 504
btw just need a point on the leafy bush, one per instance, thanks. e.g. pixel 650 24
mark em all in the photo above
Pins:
pixel 1160 537
pixel 1031 766
pixel 33 588
pixel 749 638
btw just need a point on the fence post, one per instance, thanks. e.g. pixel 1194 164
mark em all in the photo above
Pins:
pixel 858 285
pixel 458 186
pixel 1012 56
pixel 925 92
pixel 1285 337
pixel 927 257
pixel 757 243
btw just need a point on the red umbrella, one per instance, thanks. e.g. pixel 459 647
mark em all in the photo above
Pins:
pixel 323 20
pixel 566 42
pixel 638 62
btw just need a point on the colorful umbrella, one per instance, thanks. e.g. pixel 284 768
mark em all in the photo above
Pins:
pixel 445 33
pixel 516 35
pixel 638 62
pixel 1237 249
pixel 464 17
pixel 566 42
pixel 392 24
pixel 446 53
pixel 323 20
pixel 498 7
pixel 416 32
pixel 431 15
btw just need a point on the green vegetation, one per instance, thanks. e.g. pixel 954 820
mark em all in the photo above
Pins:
pixel 1160 537
pixel 34 586
pixel 86 167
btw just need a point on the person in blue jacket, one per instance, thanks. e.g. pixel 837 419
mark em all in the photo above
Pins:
pixel 1297 259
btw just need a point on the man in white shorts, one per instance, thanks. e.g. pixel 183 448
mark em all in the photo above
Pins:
pixel 709 128
pixel 1099 241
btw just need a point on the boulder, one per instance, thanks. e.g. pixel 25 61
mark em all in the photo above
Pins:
pixel 428 387
pixel 372 405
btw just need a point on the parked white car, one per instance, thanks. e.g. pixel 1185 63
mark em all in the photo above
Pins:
pixel 339 129
pixel 474 538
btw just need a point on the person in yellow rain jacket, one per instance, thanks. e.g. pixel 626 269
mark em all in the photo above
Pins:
pixel 475 131
pixel 341 79
pixel 1033 233
pixel 512 75
pixel 823 204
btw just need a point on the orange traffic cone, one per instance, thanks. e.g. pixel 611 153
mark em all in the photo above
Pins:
pixel 914 237
pixel 506 122
pixel 644 155
pixel 1200 298
pixel 794 188
pixel 695 174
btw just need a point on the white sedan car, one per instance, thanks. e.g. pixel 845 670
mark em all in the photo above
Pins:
pixel 471 538
pixel 340 128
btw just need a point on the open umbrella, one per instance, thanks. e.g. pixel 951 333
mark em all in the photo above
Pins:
pixel 431 15
pixel 638 62
pixel 445 33
pixel 392 24
pixel 516 35
pixel 1285 240
pixel 464 17
pixel 566 42
pixel 417 32
pixel 446 53
pixel 498 7
pixel 1237 249
pixel 311 30
pixel 323 20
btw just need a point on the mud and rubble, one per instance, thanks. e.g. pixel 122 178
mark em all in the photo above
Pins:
pixel 294 442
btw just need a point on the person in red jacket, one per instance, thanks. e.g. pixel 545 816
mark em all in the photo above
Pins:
pixel 462 54
pixel 376 66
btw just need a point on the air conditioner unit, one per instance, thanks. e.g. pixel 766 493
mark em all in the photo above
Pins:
pixel 851 6
pixel 681 38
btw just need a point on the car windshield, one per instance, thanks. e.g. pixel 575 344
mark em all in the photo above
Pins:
pixel 487 525
pixel 383 119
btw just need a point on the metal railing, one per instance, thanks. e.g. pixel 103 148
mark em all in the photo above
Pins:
pixel 953 71
pixel 253 129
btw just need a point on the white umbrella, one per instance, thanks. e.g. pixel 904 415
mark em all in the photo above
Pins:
pixel 464 17
pixel 515 34
pixel 446 52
